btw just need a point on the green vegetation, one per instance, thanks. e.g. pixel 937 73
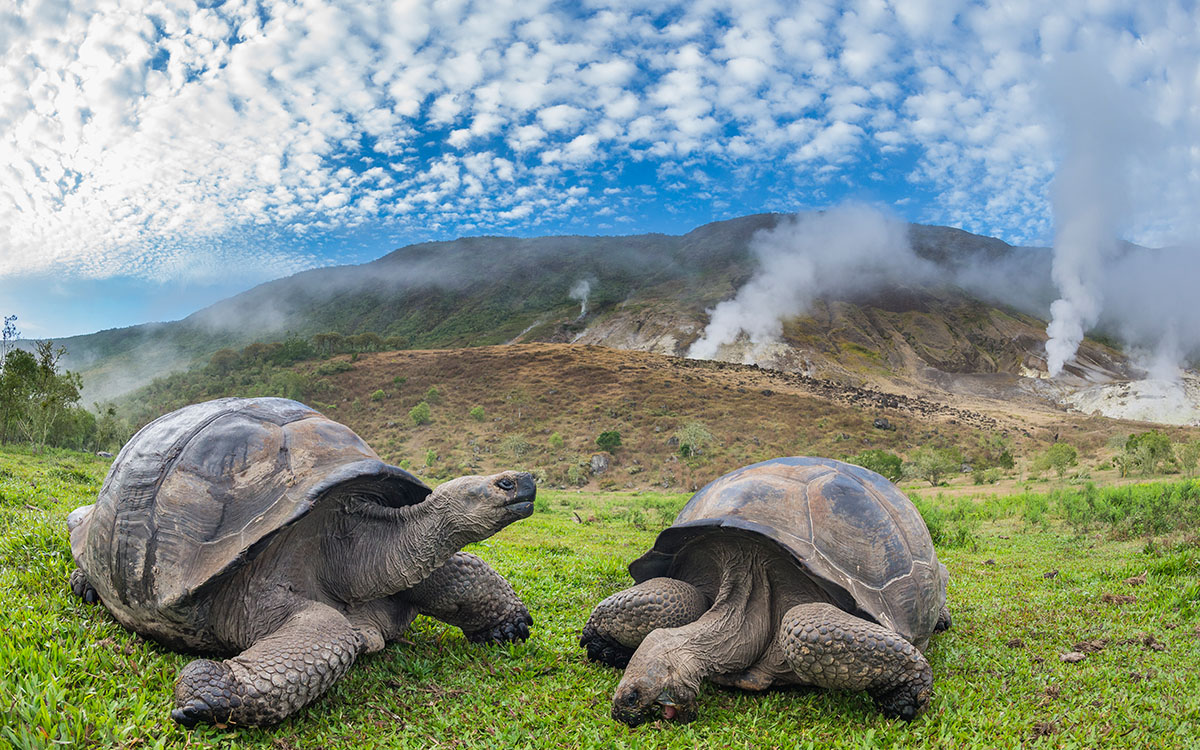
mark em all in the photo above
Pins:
pixel 39 404
pixel 881 462
pixel 934 464
pixel 477 413
pixel 1146 453
pixel 1121 591
pixel 420 414
pixel 555 441
pixel 1058 457
pixel 693 439
pixel 609 440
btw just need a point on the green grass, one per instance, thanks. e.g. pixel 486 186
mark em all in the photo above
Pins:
pixel 72 677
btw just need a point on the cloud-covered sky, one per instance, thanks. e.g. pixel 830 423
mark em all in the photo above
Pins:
pixel 160 154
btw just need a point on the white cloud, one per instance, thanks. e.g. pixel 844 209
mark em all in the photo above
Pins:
pixel 138 132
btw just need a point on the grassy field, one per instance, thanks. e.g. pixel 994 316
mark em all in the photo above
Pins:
pixel 1033 577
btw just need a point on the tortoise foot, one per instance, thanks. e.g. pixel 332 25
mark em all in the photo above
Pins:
pixel 206 692
pixel 512 629
pixel 82 588
pixel 944 620
pixel 604 650
pixel 904 701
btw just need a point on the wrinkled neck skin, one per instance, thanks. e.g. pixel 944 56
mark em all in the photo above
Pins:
pixel 671 663
pixel 370 550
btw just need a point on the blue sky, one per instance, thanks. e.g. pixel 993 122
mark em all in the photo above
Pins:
pixel 159 155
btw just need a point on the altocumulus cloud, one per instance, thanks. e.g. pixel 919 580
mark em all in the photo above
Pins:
pixel 165 138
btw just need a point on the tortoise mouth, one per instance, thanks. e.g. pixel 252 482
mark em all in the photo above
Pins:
pixel 663 708
pixel 520 508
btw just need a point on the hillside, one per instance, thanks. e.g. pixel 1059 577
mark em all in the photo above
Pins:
pixel 543 406
pixel 964 315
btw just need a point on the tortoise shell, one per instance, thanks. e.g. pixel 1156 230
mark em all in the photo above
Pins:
pixel 197 493
pixel 850 529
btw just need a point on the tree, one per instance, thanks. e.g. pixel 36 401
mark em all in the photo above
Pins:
pixel 693 438
pixel 1189 453
pixel 881 462
pixel 1059 457
pixel 932 464
pixel 16 385
pixel 1148 452
pixel 11 334
pixel 51 396
pixel 330 343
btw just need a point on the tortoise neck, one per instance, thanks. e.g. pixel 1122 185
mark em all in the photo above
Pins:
pixel 386 550
pixel 732 635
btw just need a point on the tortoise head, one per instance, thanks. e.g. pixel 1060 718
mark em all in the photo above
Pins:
pixel 656 685
pixel 479 506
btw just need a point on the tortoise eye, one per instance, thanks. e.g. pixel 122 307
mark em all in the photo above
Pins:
pixel 506 484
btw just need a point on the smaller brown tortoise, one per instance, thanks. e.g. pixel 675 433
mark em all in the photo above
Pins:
pixel 259 530
pixel 794 571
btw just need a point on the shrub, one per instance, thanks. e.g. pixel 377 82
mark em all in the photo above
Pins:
pixel 517 445
pixel 577 475
pixel 477 413
pixel 693 438
pixel 932 464
pixel 880 462
pixel 433 395
pixel 952 526
pixel 556 441
pixel 1189 453
pixel 378 395
pixel 333 368
pixel 430 457
pixel 420 414
pixel 1148 452
pixel 609 440
pixel 1059 457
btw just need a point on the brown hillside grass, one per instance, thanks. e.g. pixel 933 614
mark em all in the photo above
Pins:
pixel 530 393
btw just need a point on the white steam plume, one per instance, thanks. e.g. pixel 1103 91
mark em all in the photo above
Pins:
pixel 1090 195
pixel 851 248
pixel 579 292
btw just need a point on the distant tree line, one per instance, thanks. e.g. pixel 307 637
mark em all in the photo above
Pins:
pixel 39 405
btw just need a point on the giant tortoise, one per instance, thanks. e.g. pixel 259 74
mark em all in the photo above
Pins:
pixel 259 530
pixel 795 571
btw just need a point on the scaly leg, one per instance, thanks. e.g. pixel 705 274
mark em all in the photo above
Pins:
pixel 82 588
pixel 944 621
pixel 467 593
pixel 618 624
pixel 273 678
pixel 836 650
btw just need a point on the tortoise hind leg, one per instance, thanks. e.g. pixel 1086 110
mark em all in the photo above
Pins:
pixel 273 678
pixel 944 621
pixel 621 622
pixel 82 588
pixel 467 593
pixel 836 650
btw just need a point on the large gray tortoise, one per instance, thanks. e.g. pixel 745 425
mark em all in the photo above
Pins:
pixel 260 530
pixel 795 571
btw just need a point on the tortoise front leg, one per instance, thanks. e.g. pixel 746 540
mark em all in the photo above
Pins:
pixel 275 677
pixel 465 592
pixel 836 650
pixel 620 623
